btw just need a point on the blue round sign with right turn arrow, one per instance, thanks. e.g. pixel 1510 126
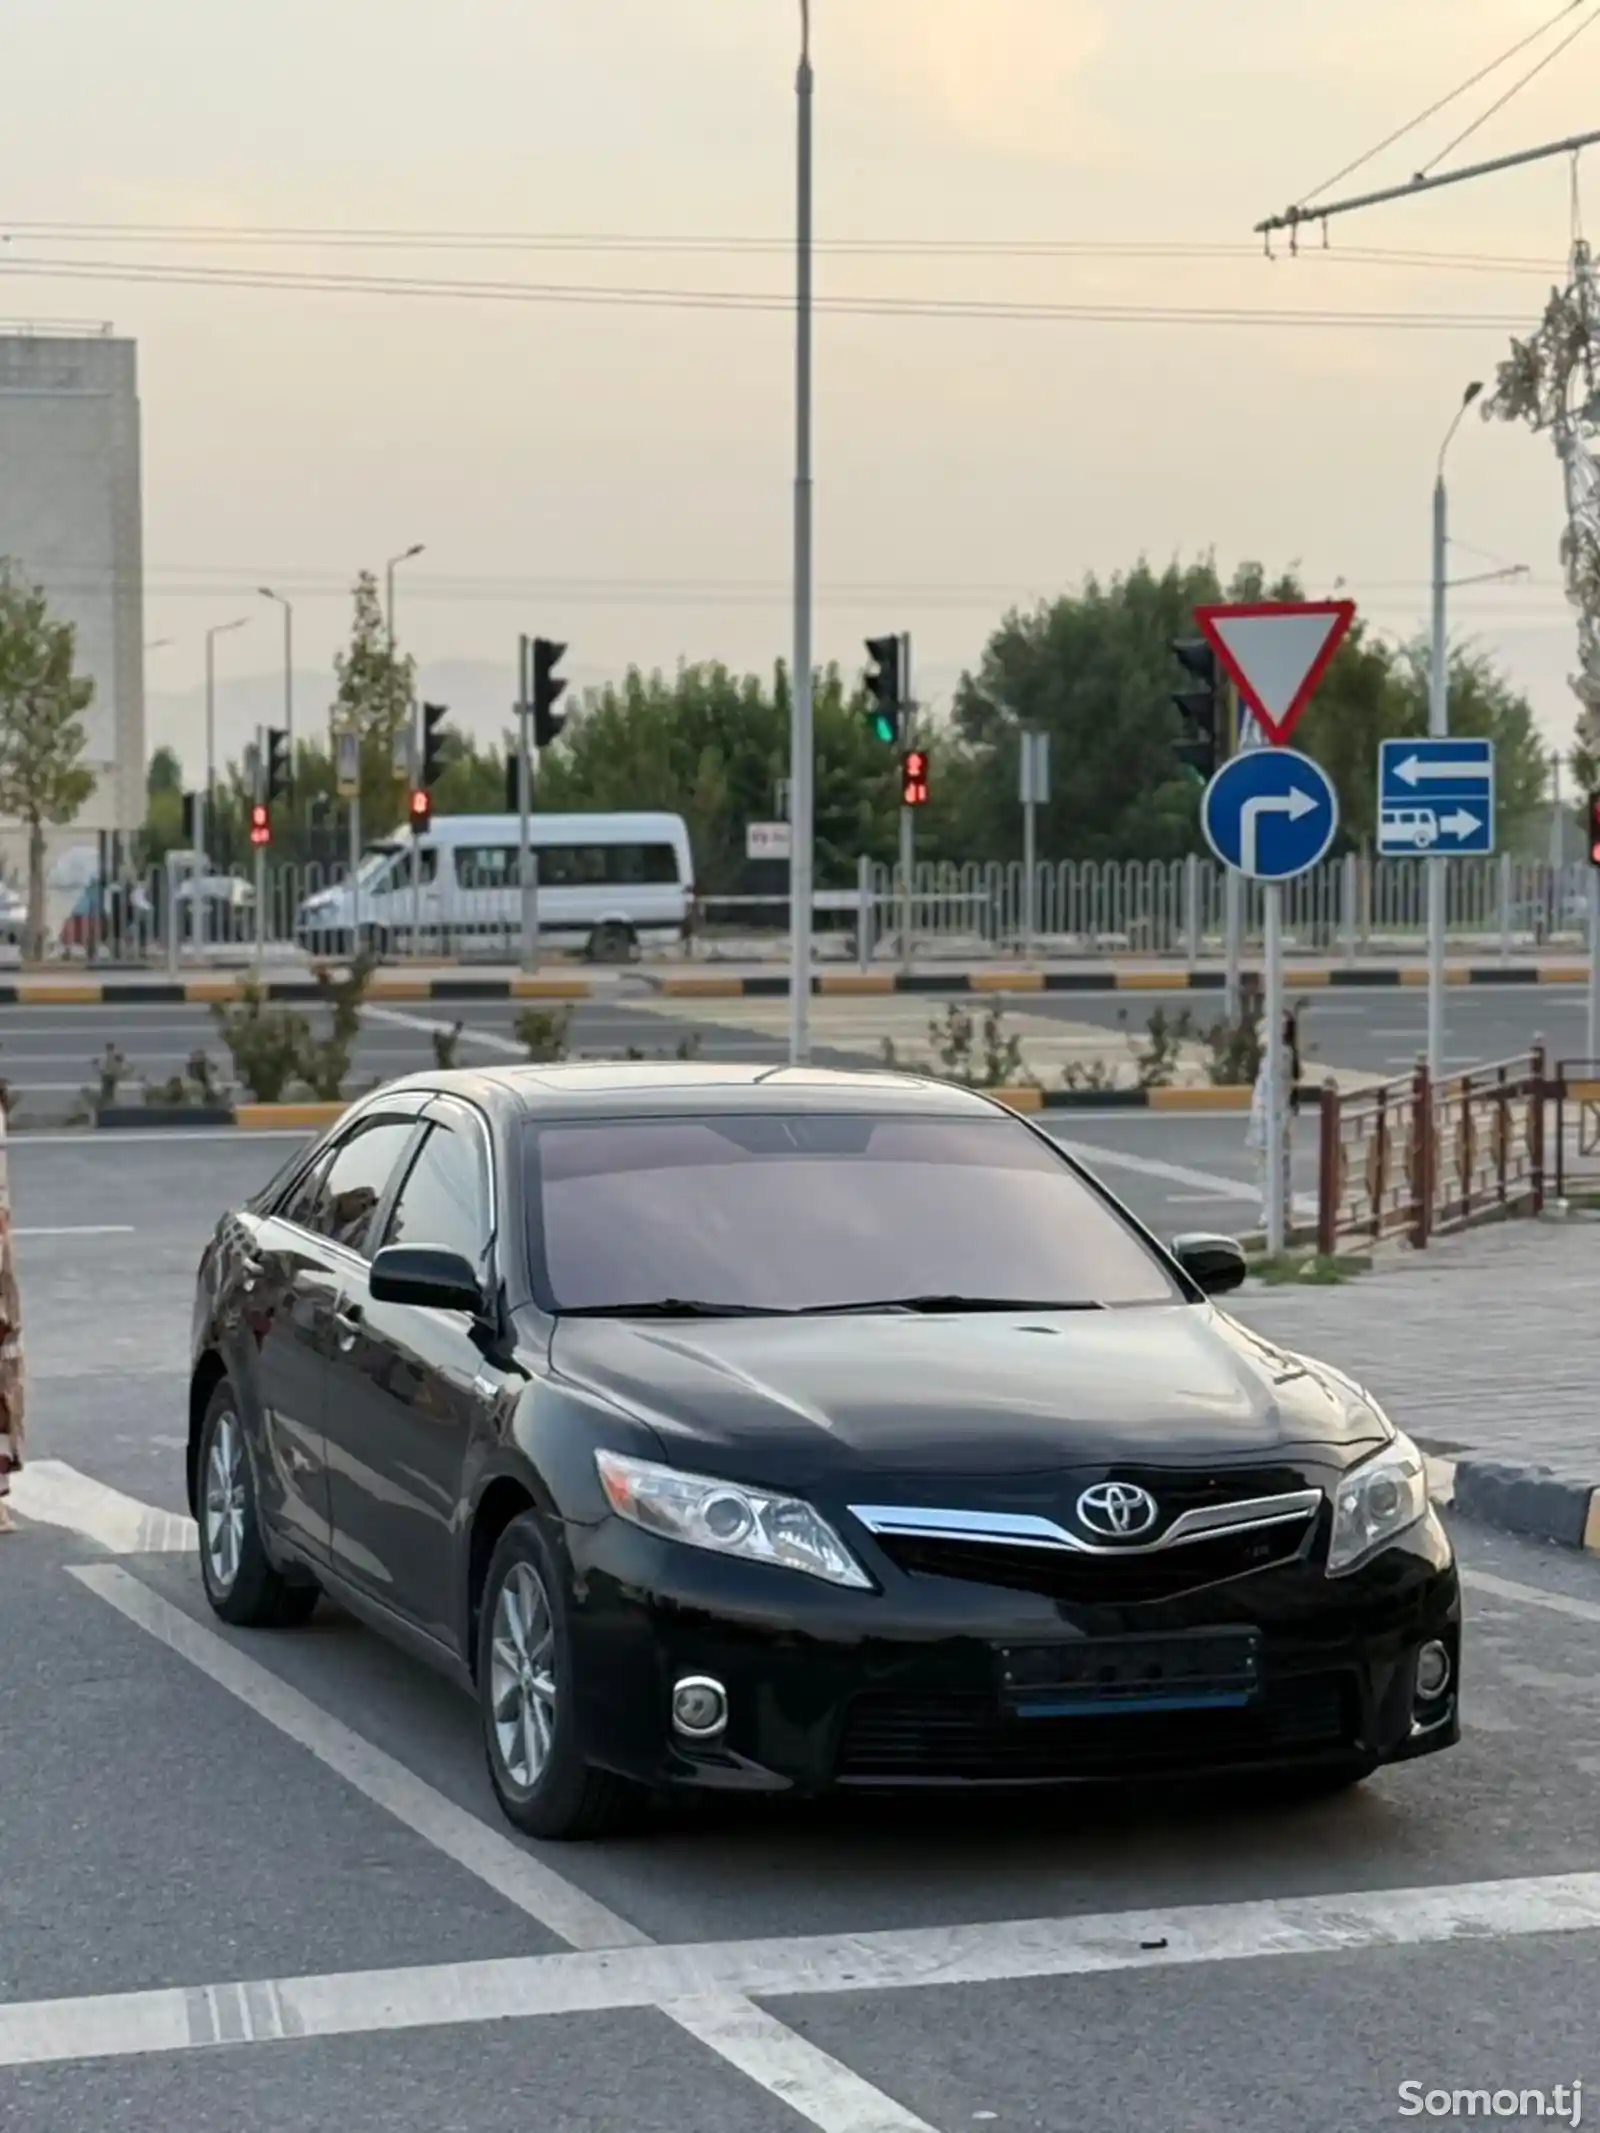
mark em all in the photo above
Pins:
pixel 1270 813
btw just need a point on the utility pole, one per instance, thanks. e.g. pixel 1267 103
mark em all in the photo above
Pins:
pixel 801 745
pixel 1437 864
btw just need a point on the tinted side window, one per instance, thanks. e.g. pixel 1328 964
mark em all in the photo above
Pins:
pixel 352 1185
pixel 301 1204
pixel 444 1200
pixel 486 866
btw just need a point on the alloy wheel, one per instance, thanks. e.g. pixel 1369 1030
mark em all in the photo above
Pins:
pixel 522 1682
pixel 225 1501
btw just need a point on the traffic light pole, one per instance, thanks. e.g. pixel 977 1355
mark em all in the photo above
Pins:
pixel 261 783
pixel 1592 1042
pixel 527 871
pixel 908 815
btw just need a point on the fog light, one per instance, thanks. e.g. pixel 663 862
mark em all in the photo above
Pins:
pixel 699 1706
pixel 1433 1671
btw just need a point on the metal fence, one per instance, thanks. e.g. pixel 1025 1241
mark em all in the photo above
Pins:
pixel 1417 1159
pixel 1176 909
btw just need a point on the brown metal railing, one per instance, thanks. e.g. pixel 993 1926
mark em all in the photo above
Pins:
pixel 1415 1159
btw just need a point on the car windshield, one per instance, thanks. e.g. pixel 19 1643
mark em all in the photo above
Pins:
pixel 822 1211
pixel 375 862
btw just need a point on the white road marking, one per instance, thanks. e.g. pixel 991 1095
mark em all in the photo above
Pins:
pixel 1558 1603
pixel 1210 1182
pixel 799 2073
pixel 80 1229
pixel 58 1495
pixel 814 2085
pixel 520 1877
pixel 152 1137
pixel 706 1986
pixel 491 1040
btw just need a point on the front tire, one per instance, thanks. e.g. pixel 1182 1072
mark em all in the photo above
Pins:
pixel 241 1582
pixel 531 1736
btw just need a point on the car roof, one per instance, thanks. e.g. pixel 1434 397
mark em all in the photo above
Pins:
pixel 621 1087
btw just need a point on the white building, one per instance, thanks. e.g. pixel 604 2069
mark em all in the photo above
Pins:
pixel 71 519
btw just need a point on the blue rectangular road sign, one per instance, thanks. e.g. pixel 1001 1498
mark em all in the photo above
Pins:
pixel 1436 796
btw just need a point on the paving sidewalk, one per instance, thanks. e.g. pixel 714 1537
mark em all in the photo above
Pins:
pixel 1486 1348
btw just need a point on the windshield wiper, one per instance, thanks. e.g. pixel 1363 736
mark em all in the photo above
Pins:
pixel 676 1307
pixel 934 1304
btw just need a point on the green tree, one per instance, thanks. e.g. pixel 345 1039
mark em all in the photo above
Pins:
pixel 43 778
pixel 1094 670
pixel 165 772
pixel 713 746
pixel 377 687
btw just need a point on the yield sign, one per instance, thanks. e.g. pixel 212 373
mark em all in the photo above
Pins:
pixel 1277 651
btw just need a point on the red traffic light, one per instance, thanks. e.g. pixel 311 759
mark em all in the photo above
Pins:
pixel 260 824
pixel 421 809
pixel 1594 829
pixel 914 778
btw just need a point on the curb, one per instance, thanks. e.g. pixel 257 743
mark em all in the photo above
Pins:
pixel 1191 1101
pixel 1534 1501
pixel 688 985
pixel 207 991
pixel 248 1118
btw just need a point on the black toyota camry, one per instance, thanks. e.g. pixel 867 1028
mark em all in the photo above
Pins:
pixel 775 1430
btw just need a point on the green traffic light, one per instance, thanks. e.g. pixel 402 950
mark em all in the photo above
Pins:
pixel 883 727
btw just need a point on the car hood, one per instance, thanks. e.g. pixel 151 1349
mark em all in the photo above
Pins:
pixel 783 1399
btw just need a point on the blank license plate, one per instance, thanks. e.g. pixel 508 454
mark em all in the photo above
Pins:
pixel 1202 1670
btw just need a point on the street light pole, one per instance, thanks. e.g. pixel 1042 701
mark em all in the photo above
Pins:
pixel 801 751
pixel 1438 728
pixel 267 593
pixel 219 629
pixel 390 568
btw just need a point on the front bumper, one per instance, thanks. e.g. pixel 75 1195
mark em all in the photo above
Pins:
pixel 899 1687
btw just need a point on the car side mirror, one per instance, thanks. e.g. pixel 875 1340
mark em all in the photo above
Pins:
pixel 1214 1264
pixel 426 1276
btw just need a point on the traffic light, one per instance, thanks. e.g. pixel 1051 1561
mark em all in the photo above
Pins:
pixel 433 718
pixel 513 783
pixel 884 687
pixel 1594 829
pixel 260 823
pixel 191 821
pixel 1202 748
pixel 548 687
pixel 914 778
pixel 421 810
pixel 277 763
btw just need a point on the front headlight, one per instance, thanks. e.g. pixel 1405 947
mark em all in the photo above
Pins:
pixel 1375 1503
pixel 727 1519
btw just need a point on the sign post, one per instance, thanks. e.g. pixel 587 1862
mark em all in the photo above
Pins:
pixel 1271 813
pixel 1034 792
pixel 1436 801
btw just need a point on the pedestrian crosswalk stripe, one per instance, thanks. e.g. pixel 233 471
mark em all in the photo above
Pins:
pixel 707 1986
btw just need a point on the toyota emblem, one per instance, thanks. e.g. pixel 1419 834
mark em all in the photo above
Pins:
pixel 1117 1509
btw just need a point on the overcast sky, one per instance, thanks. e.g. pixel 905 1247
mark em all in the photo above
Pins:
pixel 618 476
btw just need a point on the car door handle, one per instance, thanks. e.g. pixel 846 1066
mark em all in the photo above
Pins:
pixel 347 1317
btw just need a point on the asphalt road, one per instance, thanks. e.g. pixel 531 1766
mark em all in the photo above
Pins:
pixel 48 1055
pixel 1379 1030
pixel 208 1820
